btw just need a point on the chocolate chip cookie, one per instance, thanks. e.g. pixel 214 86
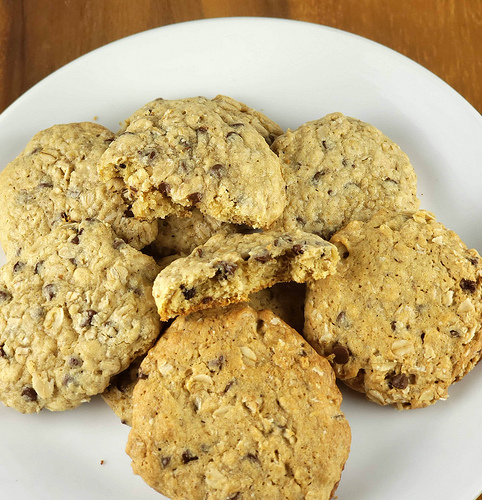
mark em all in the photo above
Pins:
pixel 340 169
pixel 401 319
pixel 233 403
pixel 212 154
pixel 75 309
pixel 55 180
pixel 229 267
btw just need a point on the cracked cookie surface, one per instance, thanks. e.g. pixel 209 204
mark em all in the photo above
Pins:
pixel 401 319
pixel 212 154
pixel 338 169
pixel 55 180
pixel 229 267
pixel 230 403
pixel 75 309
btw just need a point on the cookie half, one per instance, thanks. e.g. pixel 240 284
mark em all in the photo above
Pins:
pixel 229 267
pixel 55 180
pixel 401 319
pixel 338 169
pixel 232 403
pixel 196 152
pixel 75 309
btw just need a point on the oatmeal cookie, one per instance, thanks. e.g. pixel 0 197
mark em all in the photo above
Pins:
pixel 401 319
pixel 338 169
pixel 229 267
pixel 75 309
pixel 196 152
pixel 232 403
pixel 55 180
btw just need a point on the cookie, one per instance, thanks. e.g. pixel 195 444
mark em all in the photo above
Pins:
pixel 401 319
pixel 338 169
pixel 181 235
pixel 55 180
pixel 196 152
pixel 286 300
pixel 119 393
pixel 75 310
pixel 229 267
pixel 232 403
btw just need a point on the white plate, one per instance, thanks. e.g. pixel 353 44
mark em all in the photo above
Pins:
pixel 294 72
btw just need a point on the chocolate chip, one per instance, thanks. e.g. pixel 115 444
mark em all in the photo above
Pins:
pixel 151 155
pixel 217 171
pixel 473 260
pixel 422 337
pixel 297 249
pixel 164 188
pixel 263 258
pixel 165 461
pixel 228 386
pixel 49 291
pixel 399 381
pixel 468 285
pixel 217 363
pixel 317 177
pixel 187 457
pixel 38 266
pixel 393 325
pixel 345 255
pixel 128 213
pixel 259 324
pixel 88 316
pixel 342 354
pixel 75 240
pixel 225 269
pixel 29 393
pixel 454 333
pixel 74 361
pixel 195 198
pixel 4 296
pixel 252 458
pixel 18 266
pixel 122 165
pixel 188 292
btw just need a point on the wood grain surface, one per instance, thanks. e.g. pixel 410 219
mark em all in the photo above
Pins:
pixel 39 36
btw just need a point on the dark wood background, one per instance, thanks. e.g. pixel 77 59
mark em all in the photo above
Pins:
pixel 39 36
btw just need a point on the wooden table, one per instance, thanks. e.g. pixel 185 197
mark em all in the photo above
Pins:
pixel 39 36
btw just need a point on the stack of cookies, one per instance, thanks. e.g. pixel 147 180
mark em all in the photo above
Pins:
pixel 210 276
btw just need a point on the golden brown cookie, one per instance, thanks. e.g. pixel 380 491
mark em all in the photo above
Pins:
pixel 229 267
pixel 401 319
pixel 338 169
pixel 55 180
pixel 232 403
pixel 212 154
